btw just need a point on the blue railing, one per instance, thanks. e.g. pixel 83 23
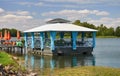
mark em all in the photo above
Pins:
pixel 61 43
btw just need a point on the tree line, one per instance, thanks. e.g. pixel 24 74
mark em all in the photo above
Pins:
pixel 13 32
pixel 102 29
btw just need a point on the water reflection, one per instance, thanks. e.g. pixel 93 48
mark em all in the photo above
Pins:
pixel 42 62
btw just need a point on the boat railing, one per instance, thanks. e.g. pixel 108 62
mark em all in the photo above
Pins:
pixel 64 43
pixel 61 43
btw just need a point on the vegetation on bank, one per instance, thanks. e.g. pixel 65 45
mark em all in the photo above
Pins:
pixel 6 59
pixel 9 66
pixel 86 71
pixel 107 37
pixel 9 60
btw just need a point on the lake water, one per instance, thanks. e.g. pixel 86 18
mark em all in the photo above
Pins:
pixel 106 53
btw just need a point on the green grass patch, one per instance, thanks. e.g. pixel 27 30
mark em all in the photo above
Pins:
pixel 6 59
pixel 86 71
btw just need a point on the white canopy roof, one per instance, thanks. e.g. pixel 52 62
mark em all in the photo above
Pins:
pixel 60 27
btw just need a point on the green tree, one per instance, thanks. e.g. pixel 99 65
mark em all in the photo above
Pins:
pixel 117 31
pixel 13 32
pixel 102 30
pixel 110 32
pixel 77 22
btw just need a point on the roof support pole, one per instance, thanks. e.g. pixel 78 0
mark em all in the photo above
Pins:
pixel 32 38
pixel 26 38
pixel 61 35
pixel 46 35
pixel 42 40
pixel 94 38
pixel 82 36
pixel 52 38
pixel 74 38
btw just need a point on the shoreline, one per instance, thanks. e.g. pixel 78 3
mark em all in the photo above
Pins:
pixel 107 37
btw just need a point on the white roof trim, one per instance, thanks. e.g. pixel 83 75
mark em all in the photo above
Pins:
pixel 60 27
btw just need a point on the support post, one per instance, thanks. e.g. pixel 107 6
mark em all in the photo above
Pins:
pixel 61 35
pixel 52 38
pixel 94 39
pixel 32 38
pixel 46 35
pixel 42 40
pixel 25 38
pixel 74 38
pixel 83 36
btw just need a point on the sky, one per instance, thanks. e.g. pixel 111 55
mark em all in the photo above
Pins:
pixel 26 14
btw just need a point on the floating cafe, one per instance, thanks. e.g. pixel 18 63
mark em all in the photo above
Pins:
pixel 51 39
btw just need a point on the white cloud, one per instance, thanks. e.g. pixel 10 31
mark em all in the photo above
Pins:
pixel 1 10
pixel 15 15
pixel 73 1
pixel 16 19
pixel 29 4
pixel 87 1
pixel 22 13
pixel 84 15
pixel 109 22
pixel 38 4
pixel 75 14
pixel 23 25
pixel 103 13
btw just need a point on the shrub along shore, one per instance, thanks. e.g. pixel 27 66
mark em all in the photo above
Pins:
pixel 9 67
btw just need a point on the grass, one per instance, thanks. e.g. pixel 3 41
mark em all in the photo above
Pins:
pixel 85 71
pixel 6 59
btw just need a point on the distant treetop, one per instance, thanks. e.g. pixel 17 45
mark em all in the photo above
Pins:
pixel 58 20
